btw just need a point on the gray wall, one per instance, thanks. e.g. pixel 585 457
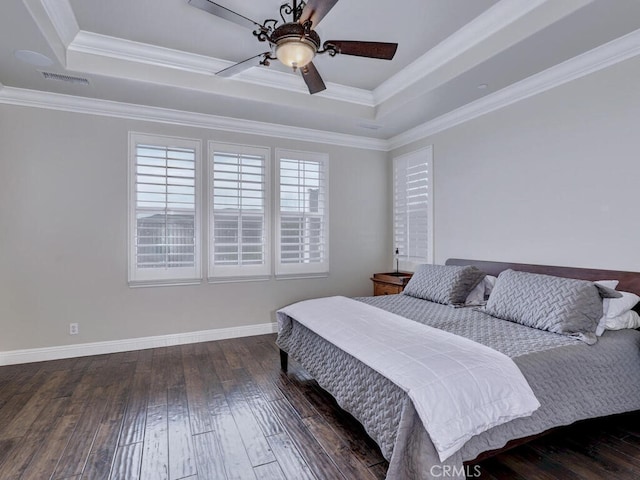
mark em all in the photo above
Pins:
pixel 63 233
pixel 552 179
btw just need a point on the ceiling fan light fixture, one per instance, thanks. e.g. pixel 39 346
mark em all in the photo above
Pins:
pixel 295 53
pixel 295 43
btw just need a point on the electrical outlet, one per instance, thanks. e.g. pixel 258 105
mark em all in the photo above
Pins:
pixel 73 329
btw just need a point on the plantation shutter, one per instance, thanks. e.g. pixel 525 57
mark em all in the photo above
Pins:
pixel 412 206
pixel 164 209
pixel 303 240
pixel 239 232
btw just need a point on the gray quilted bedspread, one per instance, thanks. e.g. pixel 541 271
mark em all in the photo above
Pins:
pixel 572 381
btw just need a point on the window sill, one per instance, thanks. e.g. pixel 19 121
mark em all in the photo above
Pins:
pixel 297 276
pixel 164 283
pixel 261 278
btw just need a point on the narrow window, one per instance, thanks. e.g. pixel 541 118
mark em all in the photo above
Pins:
pixel 413 207
pixel 239 214
pixel 302 239
pixel 164 209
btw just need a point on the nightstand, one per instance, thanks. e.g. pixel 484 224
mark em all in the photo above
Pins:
pixel 390 283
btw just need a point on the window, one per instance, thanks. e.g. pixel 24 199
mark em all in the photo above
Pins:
pixel 413 207
pixel 239 211
pixel 244 218
pixel 302 226
pixel 164 209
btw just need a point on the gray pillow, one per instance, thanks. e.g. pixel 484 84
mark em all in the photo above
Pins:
pixel 560 305
pixel 445 284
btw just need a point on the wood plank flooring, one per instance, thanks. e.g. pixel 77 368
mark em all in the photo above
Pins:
pixel 223 410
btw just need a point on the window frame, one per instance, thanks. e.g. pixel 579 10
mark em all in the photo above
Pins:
pixel 407 261
pixel 296 270
pixel 174 275
pixel 218 273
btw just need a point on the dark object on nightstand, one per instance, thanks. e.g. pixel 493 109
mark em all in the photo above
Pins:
pixel 390 283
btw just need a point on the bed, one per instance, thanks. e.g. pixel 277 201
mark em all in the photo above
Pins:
pixel 572 379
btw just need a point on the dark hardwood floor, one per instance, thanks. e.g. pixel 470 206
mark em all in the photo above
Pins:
pixel 223 410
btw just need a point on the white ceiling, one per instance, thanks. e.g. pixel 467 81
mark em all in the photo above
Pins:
pixel 163 53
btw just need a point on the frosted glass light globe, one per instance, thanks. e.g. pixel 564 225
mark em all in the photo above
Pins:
pixel 295 53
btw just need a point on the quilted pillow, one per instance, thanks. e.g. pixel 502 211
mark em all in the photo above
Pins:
pixel 447 284
pixel 560 305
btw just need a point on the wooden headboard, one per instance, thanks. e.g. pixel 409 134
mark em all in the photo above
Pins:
pixel 629 281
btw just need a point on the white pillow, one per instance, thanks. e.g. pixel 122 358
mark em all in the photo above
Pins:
pixel 629 319
pixel 489 282
pixel 617 306
pixel 480 293
pixel 612 284
pixel 605 305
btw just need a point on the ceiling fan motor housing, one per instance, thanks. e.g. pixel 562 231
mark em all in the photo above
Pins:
pixel 295 45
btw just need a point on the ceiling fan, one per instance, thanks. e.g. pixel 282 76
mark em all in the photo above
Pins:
pixel 295 43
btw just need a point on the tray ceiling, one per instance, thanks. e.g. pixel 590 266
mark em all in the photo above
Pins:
pixel 163 53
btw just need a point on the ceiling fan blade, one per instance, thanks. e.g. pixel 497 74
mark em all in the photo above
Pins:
pixel 384 51
pixel 312 78
pixel 240 67
pixel 224 12
pixel 315 10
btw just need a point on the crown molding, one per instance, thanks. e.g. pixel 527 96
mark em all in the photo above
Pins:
pixel 117 48
pixel 62 18
pixel 106 46
pixel 57 22
pixel 496 18
pixel 589 62
pixel 92 106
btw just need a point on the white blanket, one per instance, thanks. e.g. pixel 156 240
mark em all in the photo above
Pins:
pixel 459 388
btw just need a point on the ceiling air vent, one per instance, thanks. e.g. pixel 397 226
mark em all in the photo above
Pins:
pixel 370 126
pixel 65 78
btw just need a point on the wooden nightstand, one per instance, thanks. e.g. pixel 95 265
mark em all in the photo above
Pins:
pixel 390 283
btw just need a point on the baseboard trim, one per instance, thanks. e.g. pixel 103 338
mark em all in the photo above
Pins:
pixel 13 357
